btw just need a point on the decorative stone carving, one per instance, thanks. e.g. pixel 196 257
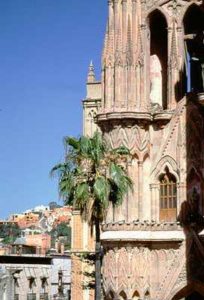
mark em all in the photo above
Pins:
pixel 174 7
pixel 135 267
pixel 159 136
pixel 142 226
pixel 109 271
pixel 133 137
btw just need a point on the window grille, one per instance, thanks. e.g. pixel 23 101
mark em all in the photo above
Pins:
pixel 168 197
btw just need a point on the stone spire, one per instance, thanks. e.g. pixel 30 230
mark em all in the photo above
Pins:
pixel 124 86
pixel 91 74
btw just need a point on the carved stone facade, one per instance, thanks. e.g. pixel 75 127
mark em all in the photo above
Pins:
pixel 152 96
pixel 151 271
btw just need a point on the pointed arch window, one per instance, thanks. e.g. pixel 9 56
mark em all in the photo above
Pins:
pixel 158 58
pixel 168 197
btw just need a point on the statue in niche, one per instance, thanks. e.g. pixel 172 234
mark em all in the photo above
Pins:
pixel 199 46
pixel 195 49
pixel 155 81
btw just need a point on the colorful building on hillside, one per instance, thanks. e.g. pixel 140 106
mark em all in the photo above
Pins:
pixel 25 220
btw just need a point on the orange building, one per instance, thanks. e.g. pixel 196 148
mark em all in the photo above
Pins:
pixel 25 220
pixel 43 241
pixel 83 243
pixel 40 242
pixel 57 216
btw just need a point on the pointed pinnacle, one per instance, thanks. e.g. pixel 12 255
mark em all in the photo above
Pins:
pixel 91 74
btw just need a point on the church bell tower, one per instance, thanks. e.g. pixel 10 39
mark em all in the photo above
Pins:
pixel 152 95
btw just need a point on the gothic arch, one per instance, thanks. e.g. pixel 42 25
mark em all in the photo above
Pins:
pixel 122 295
pixel 92 113
pixel 193 27
pixel 135 296
pixel 166 161
pixel 135 156
pixel 159 8
pixel 147 294
pixel 153 5
pixel 145 155
pixel 110 295
pixel 168 197
pixel 158 57
pixel 189 6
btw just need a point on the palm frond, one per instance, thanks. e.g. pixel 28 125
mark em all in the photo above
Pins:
pixel 90 176
pixel 66 186
pixel 60 169
pixel 73 142
pixel 120 183
pixel 102 190
pixel 81 195
pixel 97 147
pixel 84 146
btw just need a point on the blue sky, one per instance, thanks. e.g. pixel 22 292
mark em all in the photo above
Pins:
pixel 45 49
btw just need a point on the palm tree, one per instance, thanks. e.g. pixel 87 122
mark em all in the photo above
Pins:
pixel 91 177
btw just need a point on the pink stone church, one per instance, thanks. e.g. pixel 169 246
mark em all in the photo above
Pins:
pixel 151 100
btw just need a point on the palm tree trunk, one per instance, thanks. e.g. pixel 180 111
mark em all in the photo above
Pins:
pixel 97 263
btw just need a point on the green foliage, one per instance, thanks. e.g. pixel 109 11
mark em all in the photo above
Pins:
pixel 92 175
pixel 9 232
pixel 61 230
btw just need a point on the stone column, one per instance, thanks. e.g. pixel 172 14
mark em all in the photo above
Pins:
pixel 157 202
pixel 181 197
pixel 145 81
pixel 155 205
pixel 140 190
pixel 169 83
pixel 152 202
pixel 124 72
